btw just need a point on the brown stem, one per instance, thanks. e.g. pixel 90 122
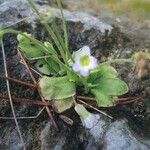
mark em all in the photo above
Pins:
pixel 121 102
pixel 19 81
pixel 85 97
pixel 35 83
pixel 27 67
pixel 125 100
pixel 129 98
pixel 26 101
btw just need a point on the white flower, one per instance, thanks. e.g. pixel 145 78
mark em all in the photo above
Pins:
pixel 88 119
pixel 84 62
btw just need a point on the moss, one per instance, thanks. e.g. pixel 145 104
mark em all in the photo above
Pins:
pixel 132 8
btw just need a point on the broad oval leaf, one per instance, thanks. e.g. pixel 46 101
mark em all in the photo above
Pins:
pixel 102 71
pixel 44 68
pixel 56 88
pixel 53 64
pixel 102 99
pixel 112 86
pixel 29 49
pixel 63 105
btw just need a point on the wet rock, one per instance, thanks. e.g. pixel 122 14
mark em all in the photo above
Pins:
pixel 80 26
pixel 10 16
pixel 115 135
pixel 119 136
pixel 85 19
pixel 11 140
pixel 48 141
pixel 104 135
pixel 13 11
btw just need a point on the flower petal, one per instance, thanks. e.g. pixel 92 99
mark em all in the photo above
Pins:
pixel 76 67
pixel 84 61
pixel 81 111
pixel 90 121
pixel 85 50
pixel 84 72
pixel 93 62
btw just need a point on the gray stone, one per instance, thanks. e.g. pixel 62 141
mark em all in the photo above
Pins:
pixel 12 12
pixel 46 139
pixel 116 135
pixel 119 137
pixel 86 20
pixel 98 131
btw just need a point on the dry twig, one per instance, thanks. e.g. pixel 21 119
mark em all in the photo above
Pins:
pixel 35 83
pixel 19 81
pixel 10 98
pixel 95 108
pixel 24 117
pixel 26 101
pixel 125 100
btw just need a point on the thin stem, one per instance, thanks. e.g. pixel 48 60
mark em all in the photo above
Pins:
pixel 119 60
pixel 19 81
pixel 26 101
pixel 17 22
pixel 40 75
pixel 24 117
pixel 10 98
pixel 49 29
pixel 84 81
pixel 86 98
pixel 37 58
pixel 33 79
pixel 65 29
pixel 28 69
pixel 95 109
pixel 128 100
pixel 64 23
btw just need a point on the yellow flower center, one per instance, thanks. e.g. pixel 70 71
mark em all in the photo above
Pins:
pixel 85 60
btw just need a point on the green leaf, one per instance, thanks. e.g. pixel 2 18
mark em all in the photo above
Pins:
pixel 56 88
pixel 53 64
pixel 44 67
pixel 73 76
pixel 63 105
pixel 112 86
pixel 1 33
pixel 107 71
pixel 102 99
pixel 51 49
pixel 107 89
pixel 102 71
pixel 29 49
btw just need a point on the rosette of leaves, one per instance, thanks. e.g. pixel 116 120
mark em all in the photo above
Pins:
pixel 58 83
pixel 103 81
